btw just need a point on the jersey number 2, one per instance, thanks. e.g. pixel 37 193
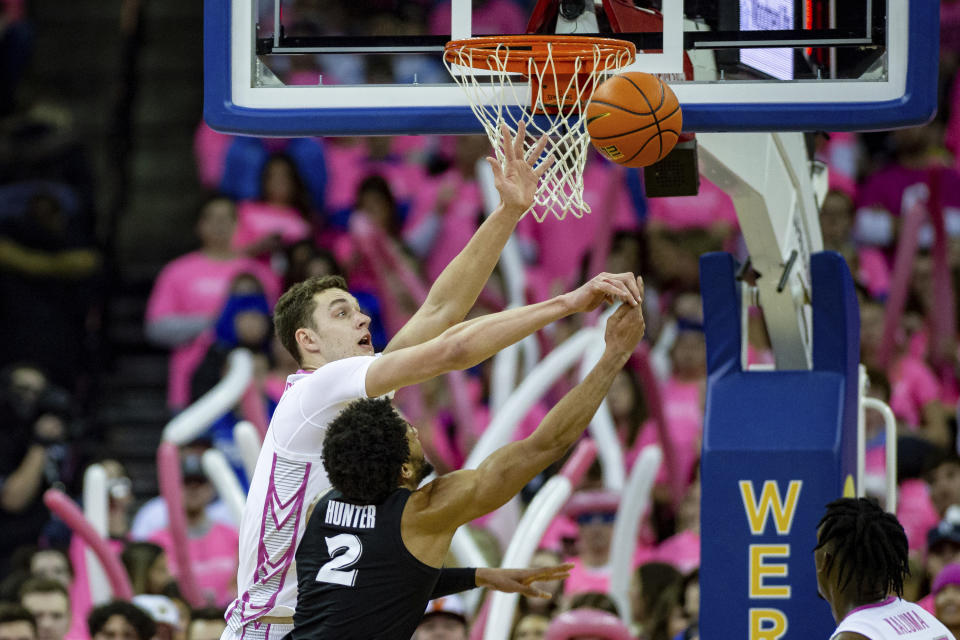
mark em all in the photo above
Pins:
pixel 335 571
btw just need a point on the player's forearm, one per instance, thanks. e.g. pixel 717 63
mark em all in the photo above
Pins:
pixel 453 581
pixel 568 419
pixel 476 340
pixel 457 287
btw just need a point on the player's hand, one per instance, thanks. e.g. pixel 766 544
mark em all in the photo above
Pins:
pixel 624 329
pixel 608 287
pixel 521 580
pixel 517 179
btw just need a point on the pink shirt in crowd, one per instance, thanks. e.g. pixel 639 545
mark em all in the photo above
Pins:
pixel 683 409
pixel 912 385
pixel 873 271
pixel 682 550
pixel 583 578
pixel 258 220
pixel 709 206
pixel 884 190
pixel 349 164
pixel 196 285
pixel 214 560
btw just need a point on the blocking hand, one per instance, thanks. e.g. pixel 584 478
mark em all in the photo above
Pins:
pixel 516 180
pixel 608 287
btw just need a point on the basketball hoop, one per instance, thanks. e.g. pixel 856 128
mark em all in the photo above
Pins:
pixel 562 72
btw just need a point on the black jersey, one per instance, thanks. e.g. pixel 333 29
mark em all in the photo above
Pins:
pixel 355 577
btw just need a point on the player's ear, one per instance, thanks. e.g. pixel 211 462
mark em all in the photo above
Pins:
pixel 307 339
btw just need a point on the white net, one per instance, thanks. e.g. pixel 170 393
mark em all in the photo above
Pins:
pixel 558 94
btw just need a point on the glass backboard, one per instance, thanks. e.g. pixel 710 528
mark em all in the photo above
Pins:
pixel 326 67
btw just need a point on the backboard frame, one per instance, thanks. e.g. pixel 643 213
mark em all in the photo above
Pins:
pixel 906 98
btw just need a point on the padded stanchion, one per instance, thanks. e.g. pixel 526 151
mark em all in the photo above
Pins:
pixel 777 447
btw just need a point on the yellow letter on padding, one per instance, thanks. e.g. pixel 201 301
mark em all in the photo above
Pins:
pixel 767 624
pixel 757 514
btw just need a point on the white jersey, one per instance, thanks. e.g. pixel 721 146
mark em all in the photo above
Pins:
pixel 288 476
pixel 894 619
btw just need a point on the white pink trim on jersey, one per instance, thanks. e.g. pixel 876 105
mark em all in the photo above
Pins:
pixel 279 527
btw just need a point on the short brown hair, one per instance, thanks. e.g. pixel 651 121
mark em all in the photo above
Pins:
pixel 11 612
pixel 295 309
pixel 43 585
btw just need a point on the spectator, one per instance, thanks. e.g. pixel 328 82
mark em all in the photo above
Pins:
pixel 212 545
pixel 244 322
pixel 304 260
pixel 49 603
pixel 943 548
pixel 532 626
pixel 52 564
pixel 682 549
pixel 46 259
pixel 447 208
pixel 153 515
pixel 544 606
pixel 690 590
pixel 190 291
pixel 594 600
pixel 119 620
pixel 650 581
pixel 35 416
pixel 946 597
pixel 594 512
pixel 444 619
pixel 146 564
pixel 164 614
pixel 16 623
pixel 668 619
pixel 280 217
pixel 868 266
pixel 943 481
pixel 881 199
pixel 206 624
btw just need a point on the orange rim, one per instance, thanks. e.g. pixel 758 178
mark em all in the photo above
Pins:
pixel 514 52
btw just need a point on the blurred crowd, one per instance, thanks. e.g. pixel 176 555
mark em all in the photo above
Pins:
pixel 280 211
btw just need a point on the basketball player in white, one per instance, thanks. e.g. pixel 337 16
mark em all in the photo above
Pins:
pixel 861 559
pixel 322 326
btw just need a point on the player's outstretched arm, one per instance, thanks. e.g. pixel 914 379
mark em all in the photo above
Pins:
pixel 461 496
pixel 470 343
pixel 521 580
pixel 457 287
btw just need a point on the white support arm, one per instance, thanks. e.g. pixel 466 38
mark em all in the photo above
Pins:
pixel 768 176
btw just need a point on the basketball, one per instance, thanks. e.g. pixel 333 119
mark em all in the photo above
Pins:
pixel 634 119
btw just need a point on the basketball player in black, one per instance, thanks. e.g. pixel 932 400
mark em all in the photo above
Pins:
pixel 373 547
